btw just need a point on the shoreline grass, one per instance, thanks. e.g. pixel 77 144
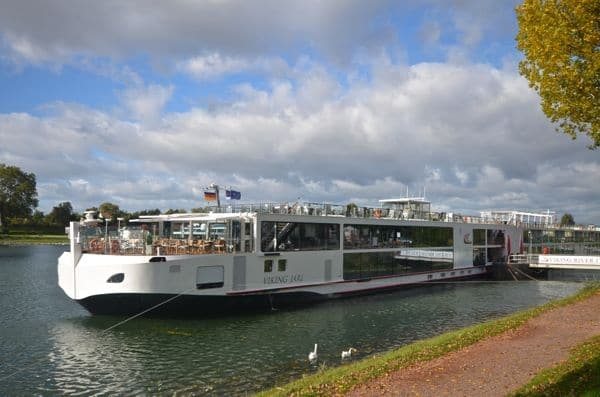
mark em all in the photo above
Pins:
pixel 340 380
pixel 32 239
pixel 578 375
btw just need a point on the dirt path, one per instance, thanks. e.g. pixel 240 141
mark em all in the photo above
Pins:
pixel 498 365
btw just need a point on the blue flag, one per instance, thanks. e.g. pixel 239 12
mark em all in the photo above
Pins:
pixel 233 195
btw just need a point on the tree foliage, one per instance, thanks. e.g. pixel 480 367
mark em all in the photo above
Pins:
pixel 109 211
pixel 561 43
pixel 18 194
pixel 61 214
pixel 567 220
pixel 137 214
pixel 171 211
pixel 351 209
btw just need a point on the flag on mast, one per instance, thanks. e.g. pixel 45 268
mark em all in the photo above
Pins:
pixel 210 196
pixel 232 194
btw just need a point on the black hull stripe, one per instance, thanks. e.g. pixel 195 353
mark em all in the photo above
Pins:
pixel 134 303
pixel 130 304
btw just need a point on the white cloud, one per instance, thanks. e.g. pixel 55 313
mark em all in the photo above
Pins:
pixel 24 50
pixel 462 176
pixel 215 65
pixel 146 103
pixel 472 135
pixel 52 31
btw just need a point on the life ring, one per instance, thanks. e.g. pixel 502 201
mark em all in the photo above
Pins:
pixel 377 213
pixel 115 246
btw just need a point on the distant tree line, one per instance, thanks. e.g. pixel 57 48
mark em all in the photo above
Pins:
pixel 567 220
pixel 19 199
pixel 63 213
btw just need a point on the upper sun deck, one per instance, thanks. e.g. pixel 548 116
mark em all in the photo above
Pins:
pixel 234 228
pixel 411 208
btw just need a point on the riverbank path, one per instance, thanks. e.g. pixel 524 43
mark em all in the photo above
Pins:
pixel 497 365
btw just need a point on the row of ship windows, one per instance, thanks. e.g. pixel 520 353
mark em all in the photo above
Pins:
pixel 281 265
pixel 301 236
pixel 430 276
pixel 378 264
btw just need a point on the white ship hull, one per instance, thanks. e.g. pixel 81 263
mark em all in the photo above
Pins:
pixel 146 284
pixel 240 279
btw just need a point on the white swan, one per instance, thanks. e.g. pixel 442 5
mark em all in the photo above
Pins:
pixel 348 353
pixel 312 356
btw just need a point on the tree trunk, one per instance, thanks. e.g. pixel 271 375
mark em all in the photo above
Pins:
pixel 3 221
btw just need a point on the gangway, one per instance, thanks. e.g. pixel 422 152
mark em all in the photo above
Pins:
pixel 522 259
pixel 546 261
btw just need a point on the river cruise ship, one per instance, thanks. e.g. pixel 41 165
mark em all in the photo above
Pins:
pixel 273 255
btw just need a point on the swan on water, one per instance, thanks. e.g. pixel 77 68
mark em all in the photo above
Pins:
pixel 312 356
pixel 348 353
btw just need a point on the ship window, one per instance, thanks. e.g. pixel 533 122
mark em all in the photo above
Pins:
pixel 281 265
pixel 479 236
pixel 268 265
pixel 382 236
pixel 478 256
pixel 299 236
pixel 116 278
pixel 376 264
pixel 495 237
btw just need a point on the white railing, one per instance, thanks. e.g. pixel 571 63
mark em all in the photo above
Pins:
pixel 522 259
pixel 324 209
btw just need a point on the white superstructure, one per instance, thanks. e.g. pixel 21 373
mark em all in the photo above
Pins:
pixel 272 255
pixel 514 217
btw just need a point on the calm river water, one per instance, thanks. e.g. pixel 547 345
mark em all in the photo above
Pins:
pixel 49 345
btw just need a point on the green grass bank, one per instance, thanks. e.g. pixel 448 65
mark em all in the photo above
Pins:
pixel 339 380
pixel 23 239
pixel 578 376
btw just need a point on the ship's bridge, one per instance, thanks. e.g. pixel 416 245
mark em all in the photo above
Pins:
pixel 408 207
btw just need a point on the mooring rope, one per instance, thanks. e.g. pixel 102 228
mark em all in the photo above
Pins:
pixel 511 273
pixel 525 274
pixel 147 310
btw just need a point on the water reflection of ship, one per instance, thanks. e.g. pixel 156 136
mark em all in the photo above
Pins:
pixel 87 360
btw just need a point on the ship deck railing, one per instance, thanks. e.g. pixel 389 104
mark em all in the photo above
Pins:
pixel 138 241
pixel 340 210
pixel 161 247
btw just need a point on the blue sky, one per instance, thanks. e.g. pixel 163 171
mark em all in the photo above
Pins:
pixel 144 104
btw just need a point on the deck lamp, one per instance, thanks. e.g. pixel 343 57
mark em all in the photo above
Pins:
pixel 105 230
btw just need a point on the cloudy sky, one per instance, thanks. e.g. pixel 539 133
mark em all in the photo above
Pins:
pixel 145 103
